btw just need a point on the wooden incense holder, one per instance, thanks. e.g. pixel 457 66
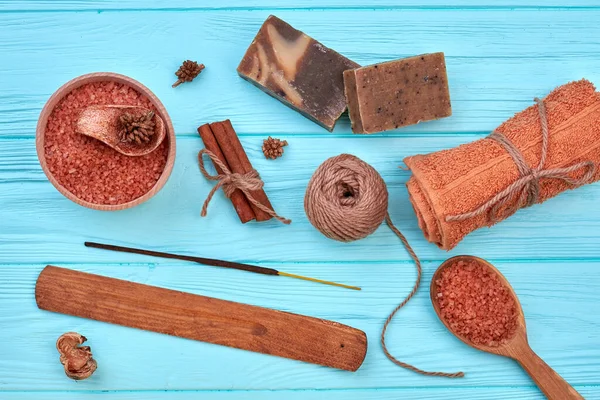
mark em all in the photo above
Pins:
pixel 207 319
pixel 517 348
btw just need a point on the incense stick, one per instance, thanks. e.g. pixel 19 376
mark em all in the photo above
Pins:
pixel 214 263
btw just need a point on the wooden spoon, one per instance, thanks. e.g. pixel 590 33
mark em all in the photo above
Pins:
pixel 102 123
pixel 517 348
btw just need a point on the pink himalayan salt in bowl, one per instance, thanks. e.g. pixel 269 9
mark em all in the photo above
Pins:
pixel 86 170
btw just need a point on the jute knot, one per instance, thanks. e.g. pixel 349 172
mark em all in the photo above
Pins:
pixel 346 199
pixel 231 181
pixel 527 187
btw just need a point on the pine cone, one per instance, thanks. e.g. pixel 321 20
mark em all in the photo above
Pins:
pixel 187 72
pixel 273 148
pixel 137 128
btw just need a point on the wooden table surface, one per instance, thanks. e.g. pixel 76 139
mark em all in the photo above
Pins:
pixel 500 54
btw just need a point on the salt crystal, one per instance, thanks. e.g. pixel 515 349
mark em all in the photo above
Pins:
pixel 482 309
pixel 104 171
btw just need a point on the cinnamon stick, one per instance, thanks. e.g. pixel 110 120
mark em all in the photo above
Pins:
pixel 238 162
pixel 239 201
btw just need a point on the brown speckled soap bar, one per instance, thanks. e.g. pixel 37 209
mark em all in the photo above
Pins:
pixel 397 93
pixel 297 70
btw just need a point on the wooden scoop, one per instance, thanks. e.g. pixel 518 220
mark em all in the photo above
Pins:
pixel 517 348
pixel 102 123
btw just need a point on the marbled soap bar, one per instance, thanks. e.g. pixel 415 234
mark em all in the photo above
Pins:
pixel 397 93
pixel 297 70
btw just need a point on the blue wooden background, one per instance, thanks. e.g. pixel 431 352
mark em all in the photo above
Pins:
pixel 500 54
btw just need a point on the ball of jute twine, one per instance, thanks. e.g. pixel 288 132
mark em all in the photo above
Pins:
pixel 346 200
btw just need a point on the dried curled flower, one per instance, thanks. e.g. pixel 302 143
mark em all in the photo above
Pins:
pixel 273 148
pixel 136 128
pixel 187 72
pixel 77 360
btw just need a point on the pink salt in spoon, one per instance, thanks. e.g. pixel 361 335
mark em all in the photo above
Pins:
pixel 104 123
pixel 515 347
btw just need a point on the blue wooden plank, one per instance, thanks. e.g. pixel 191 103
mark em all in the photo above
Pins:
pixel 183 5
pixel 521 393
pixel 506 61
pixel 556 299
pixel 500 55
pixel 171 221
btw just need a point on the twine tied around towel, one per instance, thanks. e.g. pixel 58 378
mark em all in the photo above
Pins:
pixel 528 185
pixel 346 200
pixel 231 181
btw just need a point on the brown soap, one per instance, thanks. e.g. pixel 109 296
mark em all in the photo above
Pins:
pixel 397 93
pixel 299 71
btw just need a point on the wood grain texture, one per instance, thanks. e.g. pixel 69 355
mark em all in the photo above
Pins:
pixel 525 393
pixel 561 329
pixel 183 5
pixel 497 61
pixel 77 82
pixel 548 380
pixel 516 347
pixel 202 318
pixel 500 54
pixel 171 220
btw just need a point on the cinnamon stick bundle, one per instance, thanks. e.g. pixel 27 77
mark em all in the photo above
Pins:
pixel 221 139
pixel 457 191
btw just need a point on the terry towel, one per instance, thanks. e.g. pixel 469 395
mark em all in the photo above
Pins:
pixel 459 180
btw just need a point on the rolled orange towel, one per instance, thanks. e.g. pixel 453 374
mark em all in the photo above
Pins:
pixel 457 191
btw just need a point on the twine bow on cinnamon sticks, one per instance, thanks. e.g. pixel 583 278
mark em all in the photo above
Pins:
pixel 240 182
pixel 528 185
pixel 230 182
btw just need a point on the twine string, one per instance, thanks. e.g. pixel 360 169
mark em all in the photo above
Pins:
pixel 527 187
pixel 346 200
pixel 415 258
pixel 231 181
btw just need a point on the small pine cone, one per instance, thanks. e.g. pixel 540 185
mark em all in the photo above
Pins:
pixel 273 148
pixel 187 72
pixel 137 128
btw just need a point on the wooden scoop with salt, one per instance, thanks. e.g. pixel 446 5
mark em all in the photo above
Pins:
pixel 130 130
pixel 461 305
